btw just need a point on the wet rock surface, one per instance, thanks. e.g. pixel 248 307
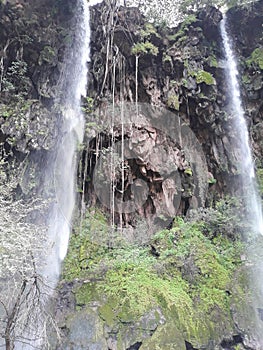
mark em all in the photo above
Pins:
pixel 180 69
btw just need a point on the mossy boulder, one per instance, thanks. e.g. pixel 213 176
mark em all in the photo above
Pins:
pixel 174 290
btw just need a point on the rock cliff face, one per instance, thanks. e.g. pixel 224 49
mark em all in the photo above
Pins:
pixel 159 94
pixel 137 70
pixel 33 41
pixel 245 26
pixel 180 69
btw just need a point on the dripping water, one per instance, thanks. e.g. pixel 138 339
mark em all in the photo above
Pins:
pixel 246 163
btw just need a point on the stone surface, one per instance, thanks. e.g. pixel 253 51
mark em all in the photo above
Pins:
pixel 187 78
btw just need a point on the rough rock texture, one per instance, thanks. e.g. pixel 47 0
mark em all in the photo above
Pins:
pixel 132 61
pixel 34 37
pixel 246 26
pixel 180 69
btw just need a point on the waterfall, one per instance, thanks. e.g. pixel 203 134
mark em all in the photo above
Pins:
pixel 250 196
pixel 246 164
pixel 63 168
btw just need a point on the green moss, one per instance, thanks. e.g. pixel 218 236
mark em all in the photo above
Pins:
pixel 246 79
pixel 144 48
pixel 256 58
pixel 167 58
pixel 86 294
pixel 202 76
pixel 107 314
pixel 47 55
pixel 148 30
pixel 184 272
pixel 260 179
pixel 212 61
pixel 173 102
pixel 135 281
pixel 87 246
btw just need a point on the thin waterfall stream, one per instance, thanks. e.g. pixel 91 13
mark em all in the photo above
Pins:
pixel 248 191
pixel 63 170
pixel 246 164
pixel 59 186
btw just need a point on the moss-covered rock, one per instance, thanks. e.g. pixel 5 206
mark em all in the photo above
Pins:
pixel 178 287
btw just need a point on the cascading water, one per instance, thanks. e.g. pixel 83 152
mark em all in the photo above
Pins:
pixel 59 180
pixel 246 164
pixel 63 169
pixel 249 194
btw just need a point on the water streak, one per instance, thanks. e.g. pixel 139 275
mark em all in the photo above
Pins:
pixel 62 170
pixel 246 163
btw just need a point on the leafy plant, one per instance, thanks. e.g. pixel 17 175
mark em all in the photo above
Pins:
pixel 16 80
pixel 256 58
pixel 145 48
pixel 203 77
pixel 148 31
pixel 173 102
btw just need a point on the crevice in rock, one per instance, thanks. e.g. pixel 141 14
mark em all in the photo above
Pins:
pixel 189 346
pixel 227 344
pixel 135 346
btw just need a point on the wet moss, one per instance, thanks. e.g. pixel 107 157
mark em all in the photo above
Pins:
pixel 143 48
pixel 256 58
pixel 173 102
pixel 131 281
pixel 260 179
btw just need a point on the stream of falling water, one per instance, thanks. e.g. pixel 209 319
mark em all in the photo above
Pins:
pixel 251 199
pixel 73 86
pixel 246 163
pixel 60 174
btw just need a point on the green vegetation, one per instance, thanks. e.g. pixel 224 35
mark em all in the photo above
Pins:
pixel 16 109
pixel 185 270
pixel 148 31
pixel 173 102
pixel 260 179
pixel 47 55
pixel 16 80
pixel 181 34
pixel 256 58
pixel 87 245
pixel 145 48
pixel 246 79
pixel 212 61
pixel 88 106
pixel 202 76
pixel 167 58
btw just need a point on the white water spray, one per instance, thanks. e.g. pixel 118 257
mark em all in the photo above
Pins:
pixel 254 267
pixel 246 164
pixel 73 87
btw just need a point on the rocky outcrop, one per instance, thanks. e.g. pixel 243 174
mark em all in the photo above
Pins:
pixel 34 37
pixel 245 24
pixel 161 93
pixel 180 69
pixel 145 290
